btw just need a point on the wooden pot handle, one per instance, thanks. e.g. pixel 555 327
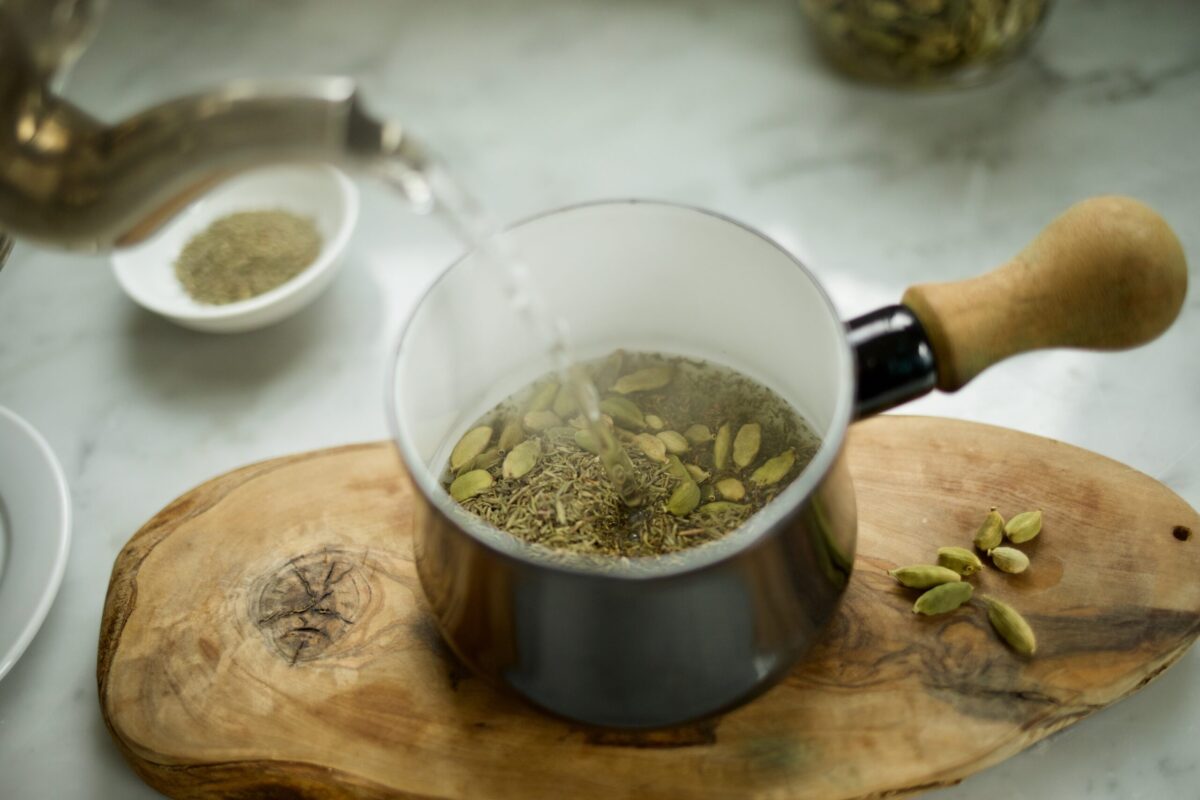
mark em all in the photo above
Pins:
pixel 1108 274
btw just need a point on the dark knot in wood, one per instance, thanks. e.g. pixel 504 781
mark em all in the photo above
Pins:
pixel 310 602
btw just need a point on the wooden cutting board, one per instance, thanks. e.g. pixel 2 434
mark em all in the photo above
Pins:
pixel 209 695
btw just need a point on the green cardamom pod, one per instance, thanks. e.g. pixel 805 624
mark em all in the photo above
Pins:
pixel 537 421
pixel 676 468
pixel 991 532
pixel 543 397
pixel 959 559
pixel 643 380
pixel 746 444
pixel 473 442
pixel 697 472
pixel 1024 526
pixel 624 412
pixel 684 499
pixel 652 446
pixel 674 441
pixel 655 422
pixel 1011 626
pixel 1009 559
pixel 469 484
pixel 719 507
pixel 922 576
pixel 607 374
pixel 512 434
pixel 588 442
pixel 721 446
pixel 698 434
pixel 521 459
pixel 731 489
pixel 774 469
pixel 485 460
pixel 943 598
pixel 564 402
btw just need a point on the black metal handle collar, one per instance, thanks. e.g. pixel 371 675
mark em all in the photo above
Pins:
pixel 895 361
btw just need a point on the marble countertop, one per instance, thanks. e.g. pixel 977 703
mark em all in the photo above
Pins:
pixel 541 103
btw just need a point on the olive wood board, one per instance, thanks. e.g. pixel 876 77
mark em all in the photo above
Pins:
pixel 209 696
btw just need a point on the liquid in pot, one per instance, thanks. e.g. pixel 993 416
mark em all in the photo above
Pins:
pixel 709 447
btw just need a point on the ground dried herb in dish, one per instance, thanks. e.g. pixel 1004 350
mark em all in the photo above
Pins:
pixel 243 255
pixel 709 447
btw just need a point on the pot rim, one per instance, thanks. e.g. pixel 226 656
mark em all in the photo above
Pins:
pixel 751 533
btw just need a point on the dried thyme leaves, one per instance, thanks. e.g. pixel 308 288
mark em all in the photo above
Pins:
pixel 549 488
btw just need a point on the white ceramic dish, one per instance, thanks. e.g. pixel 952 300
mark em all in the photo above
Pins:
pixel 147 274
pixel 35 534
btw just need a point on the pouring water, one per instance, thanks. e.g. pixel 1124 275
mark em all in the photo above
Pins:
pixel 431 189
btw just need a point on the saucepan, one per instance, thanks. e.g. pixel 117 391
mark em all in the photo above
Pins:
pixel 645 643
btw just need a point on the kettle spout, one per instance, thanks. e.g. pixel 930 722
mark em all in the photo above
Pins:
pixel 74 182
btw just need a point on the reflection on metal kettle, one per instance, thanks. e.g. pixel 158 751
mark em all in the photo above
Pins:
pixel 69 180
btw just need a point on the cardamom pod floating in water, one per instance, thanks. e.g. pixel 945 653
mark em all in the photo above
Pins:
pixel 676 468
pixel 606 374
pixel 652 446
pixel 512 434
pixel 469 484
pixel 684 499
pixel 543 397
pixel 731 489
pixel 521 459
pixel 654 422
pixel 674 441
pixel 697 472
pixel 746 444
pixel 698 434
pixel 538 421
pixel 643 380
pixel 473 442
pixel 564 403
pixel 588 442
pixel 775 469
pixel 722 446
pixel 624 412
pixel 485 460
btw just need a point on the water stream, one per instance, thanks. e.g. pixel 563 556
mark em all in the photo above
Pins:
pixel 433 190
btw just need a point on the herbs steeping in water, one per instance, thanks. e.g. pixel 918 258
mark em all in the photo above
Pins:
pixel 709 447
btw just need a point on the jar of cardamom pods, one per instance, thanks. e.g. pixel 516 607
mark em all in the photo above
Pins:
pixel 923 42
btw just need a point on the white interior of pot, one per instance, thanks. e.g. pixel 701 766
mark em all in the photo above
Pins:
pixel 635 275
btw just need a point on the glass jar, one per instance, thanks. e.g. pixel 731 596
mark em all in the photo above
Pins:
pixel 923 42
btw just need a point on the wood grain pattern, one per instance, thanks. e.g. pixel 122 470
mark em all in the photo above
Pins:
pixel 1107 274
pixel 213 688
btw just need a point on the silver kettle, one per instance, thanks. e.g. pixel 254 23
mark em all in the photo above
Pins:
pixel 70 180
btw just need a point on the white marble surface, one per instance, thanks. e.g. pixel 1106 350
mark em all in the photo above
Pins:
pixel 541 103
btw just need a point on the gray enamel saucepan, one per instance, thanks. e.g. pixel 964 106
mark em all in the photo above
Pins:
pixel 650 643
